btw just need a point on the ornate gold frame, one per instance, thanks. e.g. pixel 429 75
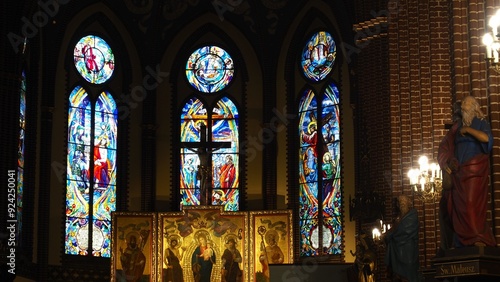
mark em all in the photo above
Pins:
pixel 248 229
pixel 143 227
pixel 211 222
pixel 262 225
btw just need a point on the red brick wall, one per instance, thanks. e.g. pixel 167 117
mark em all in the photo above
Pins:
pixel 435 56
pixel 421 105
pixel 491 94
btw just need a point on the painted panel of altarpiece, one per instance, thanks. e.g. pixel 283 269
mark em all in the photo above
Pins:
pixel 271 241
pixel 133 256
pixel 203 244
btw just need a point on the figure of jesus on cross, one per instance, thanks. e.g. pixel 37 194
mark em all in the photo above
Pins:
pixel 204 150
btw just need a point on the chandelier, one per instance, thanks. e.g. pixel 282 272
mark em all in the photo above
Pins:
pixel 427 180
pixel 379 231
pixel 492 42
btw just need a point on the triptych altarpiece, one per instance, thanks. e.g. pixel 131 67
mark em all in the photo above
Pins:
pixel 200 243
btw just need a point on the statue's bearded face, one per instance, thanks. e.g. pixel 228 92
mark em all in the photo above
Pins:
pixel 467 113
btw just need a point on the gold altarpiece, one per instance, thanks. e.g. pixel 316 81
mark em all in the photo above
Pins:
pixel 200 242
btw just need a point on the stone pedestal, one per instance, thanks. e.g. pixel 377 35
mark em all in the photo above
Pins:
pixel 466 264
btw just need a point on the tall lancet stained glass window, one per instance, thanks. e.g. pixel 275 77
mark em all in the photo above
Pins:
pixel 217 155
pixel 319 173
pixel 92 152
pixel 91 172
pixel 20 154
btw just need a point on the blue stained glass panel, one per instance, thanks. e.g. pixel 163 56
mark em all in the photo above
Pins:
pixel 104 192
pixel 20 199
pixel 104 202
pixel 308 139
pixel 328 198
pixel 225 108
pixel 94 59
pixel 225 124
pixel 331 96
pixel 20 153
pixel 22 100
pixel 332 238
pixel 332 196
pixel 101 238
pixel 225 161
pixel 209 69
pixel 78 163
pixel 228 198
pixel 190 197
pixel 309 237
pixel 193 110
pixel 308 200
pixel 225 171
pixel 20 148
pixel 192 115
pixel 318 56
pixel 189 171
pixel 105 120
pixel 22 121
pixel 79 184
pixel 77 236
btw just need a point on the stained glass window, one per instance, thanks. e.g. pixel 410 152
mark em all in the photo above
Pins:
pixel 209 69
pixel 94 59
pixel 20 153
pixel 318 56
pixel 92 135
pixel 221 149
pixel 319 173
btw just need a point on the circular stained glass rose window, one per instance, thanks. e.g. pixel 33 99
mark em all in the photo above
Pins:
pixel 209 69
pixel 318 56
pixel 94 59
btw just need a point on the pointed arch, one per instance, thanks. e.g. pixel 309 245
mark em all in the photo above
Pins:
pixel 208 31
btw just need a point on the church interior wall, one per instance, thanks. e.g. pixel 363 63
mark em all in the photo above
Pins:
pixel 126 80
pixel 397 101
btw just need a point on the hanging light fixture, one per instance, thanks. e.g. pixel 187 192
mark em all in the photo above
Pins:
pixel 427 180
pixel 492 41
